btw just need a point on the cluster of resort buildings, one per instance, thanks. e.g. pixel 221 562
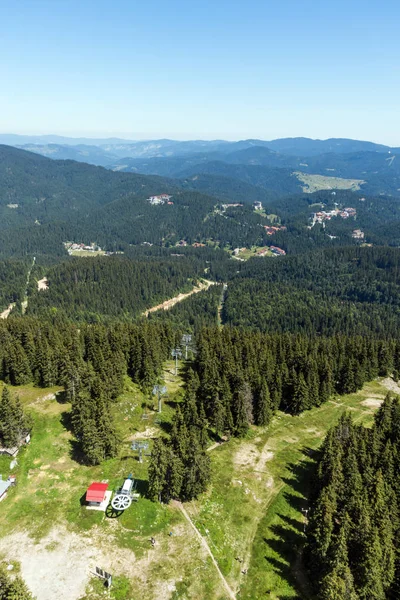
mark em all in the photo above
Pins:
pixel 358 234
pixel 274 250
pixel 323 215
pixel 183 244
pixel 74 247
pixel 160 199
pixel 270 230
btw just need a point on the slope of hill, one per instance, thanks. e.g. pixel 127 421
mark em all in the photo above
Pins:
pixel 227 188
pixel 345 290
pixel 280 181
pixel 34 189
pixel 309 147
pixel 93 155
pixel 164 166
pixel 44 203
pixel 379 170
pixel 93 289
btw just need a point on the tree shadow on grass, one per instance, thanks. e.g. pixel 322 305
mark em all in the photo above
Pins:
pixel 76 453
pixel 66 420
pixel 142 487
pixel 172 403
pixel 288 536
pixel 294 523
pixel 165 426
pixel 288 545
pixel 301 473
pixel 62 397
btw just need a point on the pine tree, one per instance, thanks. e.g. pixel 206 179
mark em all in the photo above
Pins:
pixel 173 477
pixel 301 398
pixel 382 519
pixel 338 583
pixel 240 409
pixel 370 584
pixel 13 422
pixel 13 588
pixel 196 470
pixel 157 470
pixel 263 413
pixel 321 525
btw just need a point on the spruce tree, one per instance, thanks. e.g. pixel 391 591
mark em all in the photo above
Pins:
pixel 263 412
pixel 240 410
pixel 338 583
pixel 13 422
pixel 13 588
pixel 301 397
pixel 157 470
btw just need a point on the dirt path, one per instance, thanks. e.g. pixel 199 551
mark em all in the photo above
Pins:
pixel 207 548
pixel 6 312
pixel 204 285
pixel 216 445
pixel 221 304
pixel 24 303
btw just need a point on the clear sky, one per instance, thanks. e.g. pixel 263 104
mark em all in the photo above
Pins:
pixel 201 69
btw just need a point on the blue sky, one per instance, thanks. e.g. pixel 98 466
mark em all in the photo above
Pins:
pixel 201 69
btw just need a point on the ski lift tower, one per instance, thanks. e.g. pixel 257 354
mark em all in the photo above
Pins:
pixel 176 353
pixel 159 391
pixel 186 341
pixel 140 445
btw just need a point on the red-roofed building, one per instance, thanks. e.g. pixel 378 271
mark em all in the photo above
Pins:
pixel 96 493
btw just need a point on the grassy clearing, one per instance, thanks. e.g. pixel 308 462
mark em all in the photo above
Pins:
pixel 85 253
pixel 46 507
pixel 252 510
pixel 254 251
pixel 50 480
pixel 314 183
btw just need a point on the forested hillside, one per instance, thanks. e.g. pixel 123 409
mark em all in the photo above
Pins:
pixel 353 532
pixel 241 379
pixel 90 363
pixel 44 203
pixel 346 290
pixel 256 162
pixel 13 275
pixel 34 188
pixel 93 289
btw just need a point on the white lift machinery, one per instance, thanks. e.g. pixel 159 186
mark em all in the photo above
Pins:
pixel 123 498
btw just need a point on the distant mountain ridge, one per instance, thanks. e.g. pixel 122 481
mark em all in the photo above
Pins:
pixel 166 147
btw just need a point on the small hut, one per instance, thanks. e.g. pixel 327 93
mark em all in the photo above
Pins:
pixel 97 496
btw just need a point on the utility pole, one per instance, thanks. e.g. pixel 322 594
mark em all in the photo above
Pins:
pixel 176 353
pixel 159 390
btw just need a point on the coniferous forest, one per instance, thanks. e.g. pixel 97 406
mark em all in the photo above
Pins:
pixel 353 532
